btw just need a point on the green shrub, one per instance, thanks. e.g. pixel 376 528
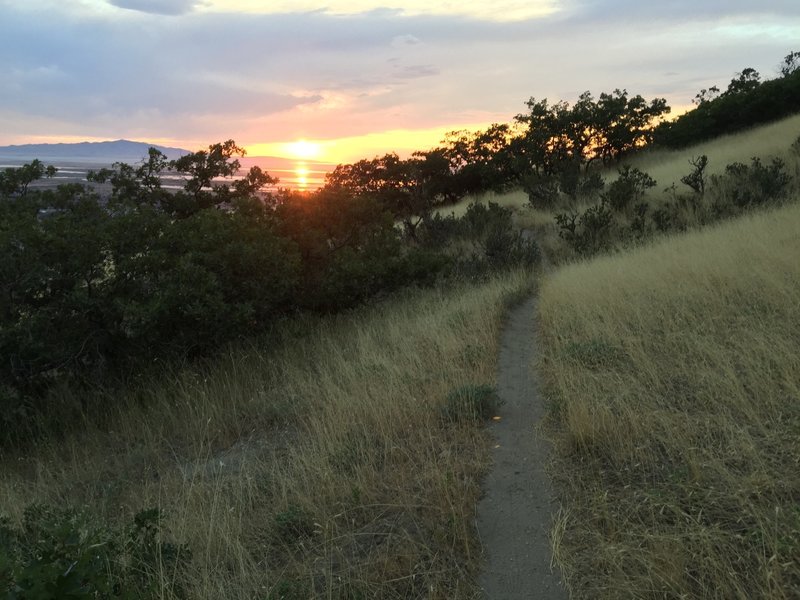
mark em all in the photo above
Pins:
pixel 471 403
pixel 589 232
pixel 293 523
pixel 667 217
pixel 590 185
pixel 542 190
pixel 746 186
pixel 629 188
pixel 436 230
pixel 497 246
pixel 64 553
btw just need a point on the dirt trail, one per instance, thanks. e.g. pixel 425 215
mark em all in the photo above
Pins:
pixel 515 515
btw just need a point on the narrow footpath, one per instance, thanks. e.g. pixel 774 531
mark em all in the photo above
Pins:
pixel 515 514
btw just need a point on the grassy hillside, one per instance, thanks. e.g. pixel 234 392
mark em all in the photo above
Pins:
pixel 666 167
pixel 674 377
pixel 329 466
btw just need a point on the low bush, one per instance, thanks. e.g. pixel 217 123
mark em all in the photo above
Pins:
pixel 745 186
pixel 495 244
pixel 64 553
pixel 589 232
pixel 629 188
pixel 471 403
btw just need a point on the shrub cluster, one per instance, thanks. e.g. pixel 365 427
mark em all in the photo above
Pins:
pixel 622 216
pixel 64 553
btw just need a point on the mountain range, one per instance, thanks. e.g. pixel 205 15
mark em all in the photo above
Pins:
pixel 117 150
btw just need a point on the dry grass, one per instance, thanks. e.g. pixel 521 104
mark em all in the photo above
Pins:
pixel 318 468
pixel 674 377
pixel 667 167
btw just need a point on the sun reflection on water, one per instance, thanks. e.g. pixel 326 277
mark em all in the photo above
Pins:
pixel 301 173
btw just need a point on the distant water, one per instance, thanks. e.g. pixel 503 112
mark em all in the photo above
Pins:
pixel 296 175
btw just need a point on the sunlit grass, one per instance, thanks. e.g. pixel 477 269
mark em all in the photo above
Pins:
pixel 667 167
pixel 673 374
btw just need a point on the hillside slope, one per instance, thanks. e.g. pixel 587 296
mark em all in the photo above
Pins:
pixel 674 377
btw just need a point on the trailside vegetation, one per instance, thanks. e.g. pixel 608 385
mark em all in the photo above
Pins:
pixel 339 458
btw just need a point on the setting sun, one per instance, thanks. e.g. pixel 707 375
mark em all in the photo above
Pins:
pixel 303 149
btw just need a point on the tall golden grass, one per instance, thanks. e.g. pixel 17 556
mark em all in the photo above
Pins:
pixel 318 467
pixel 668 166
pixel 673 373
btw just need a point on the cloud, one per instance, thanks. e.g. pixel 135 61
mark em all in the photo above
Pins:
pixel 210 75
pixel 416 71
pixel 157 7
pixel 400 41
pixel 678 10
pixel 498 10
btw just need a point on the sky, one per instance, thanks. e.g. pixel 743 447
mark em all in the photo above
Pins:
pixel 353 78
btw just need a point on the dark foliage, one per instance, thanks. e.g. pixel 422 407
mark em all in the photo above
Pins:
pixel 589 232
pixel 744 186
pixel 696 180
pixel 629 188
pixel 496 245
pixel 559 136
pixel 622 217
pixel 93 288
pixel 64 553
pixel 746 102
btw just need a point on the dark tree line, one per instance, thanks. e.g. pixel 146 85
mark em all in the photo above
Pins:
pixel 747 101
pixel 549 146
pixel 93 286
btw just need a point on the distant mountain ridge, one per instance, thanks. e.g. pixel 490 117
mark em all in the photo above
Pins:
pixel 111 150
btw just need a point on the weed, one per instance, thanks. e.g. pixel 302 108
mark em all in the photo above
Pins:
pixel 293 523
pixel 471 403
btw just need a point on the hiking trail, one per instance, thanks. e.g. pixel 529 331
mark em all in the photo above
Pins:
pixel 515 514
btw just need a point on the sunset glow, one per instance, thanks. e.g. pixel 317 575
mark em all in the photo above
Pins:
pixel 303 149
pixel 353 148
pixel 302 172
pixel 346 80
